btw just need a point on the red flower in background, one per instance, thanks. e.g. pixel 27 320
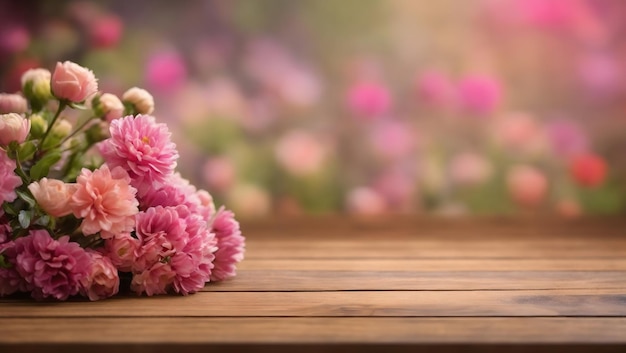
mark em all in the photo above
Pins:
pixel 588 170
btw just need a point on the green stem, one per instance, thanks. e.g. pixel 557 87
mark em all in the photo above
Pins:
pixel 80 127
pixel 62 105
pixel 19 170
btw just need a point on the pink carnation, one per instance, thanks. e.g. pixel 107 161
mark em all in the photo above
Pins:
pixel 178 191
pixel 479 94
pixel 105 201
pixel 142 147
pixel 120 249
pixel 8 179
pixel 230 245
pixel 102 281
pixel 369 100
pixel 175 252
pixel 50 268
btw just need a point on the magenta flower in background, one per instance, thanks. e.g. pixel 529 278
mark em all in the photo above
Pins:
pixel 600 75
pixel 13 38
pixel 435 88
pixel 105 200
pixel 105 31
pixel 8 179
pixel 479 94
pixel 51 268
pixel 165 71
pixel 567 138
pixel 393 139
pixel 550 14
pixel 369 100
pixel 143 148
pixel 397 187
pixel 230 245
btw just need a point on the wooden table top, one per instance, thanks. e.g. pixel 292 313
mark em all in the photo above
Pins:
pixel 344 285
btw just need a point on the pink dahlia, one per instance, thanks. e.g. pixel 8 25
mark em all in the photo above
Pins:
pixel 175 253
pixel 105 200
pixel 142 147
pixel 178 191
pixel 102 281
pixel 230 245
pixel 51 268
pixel 8 179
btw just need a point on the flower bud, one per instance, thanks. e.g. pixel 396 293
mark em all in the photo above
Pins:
pixel 13 127
pixel 140 99
pixel 73 82
pixel 107 106
pixel 38 125
pixel 12 103
pixel 61 129
pixel 97 132
pixel 36 86
pixel 53 196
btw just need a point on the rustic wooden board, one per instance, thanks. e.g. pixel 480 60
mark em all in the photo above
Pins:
pixel 345 285
pixel 585 302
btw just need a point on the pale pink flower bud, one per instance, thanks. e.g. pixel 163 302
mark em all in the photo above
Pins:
pixel 36 84
pixel 53 196
pixel 13 127
pixel 12 103
pixel 73 82
pixel 140 99
pixel 110 107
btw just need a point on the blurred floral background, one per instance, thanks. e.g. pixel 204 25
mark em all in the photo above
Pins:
pixel 363 106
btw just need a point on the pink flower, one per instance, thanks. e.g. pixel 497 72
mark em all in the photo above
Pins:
pixel 105 200
pixel 73 82
pixel 527 185
pixel 175 253
pixel 142 147
pixel 397 187
pixel 219 173
pixel 8 179
pixel 567 138
pixel 12 103
pixel 53 196
pixel 365 201
pixel 140 99
pixel 250 200
pixel 393 139
pixel 479 94
pixel 470 169
pixel 435 88
pixel 300 153
pixel 165 71
pixel 120 249
pixel 518 131
pixel 13 38
pixel 50 268
pixel 174 192
pixel 102 281
pixel 5 234
pixel 109 106
pixel 230 245
pixel 369 100
pixel 105 31
pixel 13 127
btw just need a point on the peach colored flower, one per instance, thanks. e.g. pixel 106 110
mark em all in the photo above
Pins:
pixel 103 280
pixel 13 127
pixel 53 196
pixel 141 99
pixel 527 185
pixel 73 82
pixel 106 201
pixel 12 103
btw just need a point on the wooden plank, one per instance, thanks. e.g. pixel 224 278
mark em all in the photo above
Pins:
pixel 339 249
pixel 427 265
pixel 585 302
pixel 317 280
pixel 313 330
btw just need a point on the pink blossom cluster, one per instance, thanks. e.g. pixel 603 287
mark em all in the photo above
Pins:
pixel 131 216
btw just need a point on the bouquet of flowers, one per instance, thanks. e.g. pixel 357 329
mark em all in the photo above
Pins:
pixel 93 199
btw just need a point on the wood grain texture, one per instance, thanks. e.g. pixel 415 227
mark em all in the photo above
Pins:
pixel 349 285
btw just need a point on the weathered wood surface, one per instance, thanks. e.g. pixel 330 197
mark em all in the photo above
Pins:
pixel 376 284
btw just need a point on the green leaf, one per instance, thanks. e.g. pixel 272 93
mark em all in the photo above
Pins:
pixel 27 150
pixel 26 197
pixel 4 263
pixel 8 209
pixel 41 168
pixel 24 218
